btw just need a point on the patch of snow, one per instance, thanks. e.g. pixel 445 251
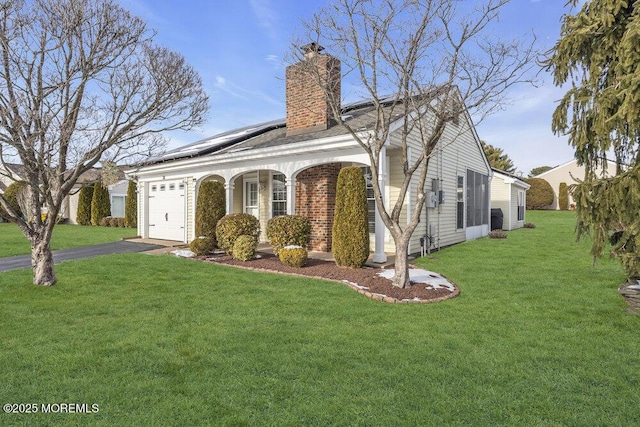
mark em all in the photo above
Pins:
pixel 292 247
pixel 417 275
pixel 354 284
pixel 634 287
pixel 183 253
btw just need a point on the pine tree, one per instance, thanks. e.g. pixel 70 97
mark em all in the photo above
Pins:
pixel 538 170
pixel 597 56
pixel 100 204
pixel 83 214
pixel 497 158
pixel 131 206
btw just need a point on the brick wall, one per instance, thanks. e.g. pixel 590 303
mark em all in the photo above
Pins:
pixel 316 200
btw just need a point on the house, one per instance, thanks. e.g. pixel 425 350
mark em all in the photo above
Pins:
pixel 69 208
pixel 569 173
pixel 291 166
pixel 509 194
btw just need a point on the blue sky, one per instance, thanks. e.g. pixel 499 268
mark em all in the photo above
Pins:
pixel 238 48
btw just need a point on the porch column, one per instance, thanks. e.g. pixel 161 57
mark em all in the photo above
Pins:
pixel 291 195
pixel 228 186
pixel 379 255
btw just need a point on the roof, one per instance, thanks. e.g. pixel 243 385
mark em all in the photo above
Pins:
pixel 361 116
pixel 516 179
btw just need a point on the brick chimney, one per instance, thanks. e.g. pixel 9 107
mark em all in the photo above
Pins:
pixel 307 107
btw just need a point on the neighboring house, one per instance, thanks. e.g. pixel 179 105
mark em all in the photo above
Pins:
pixel 69 208
pixel 568 173
pixel 509 193
pixel 291 167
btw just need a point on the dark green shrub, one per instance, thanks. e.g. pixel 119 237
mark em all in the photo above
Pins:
pixel 540 195
pixel 11 196
pixel 244 248
pixel 350 234
pixel 202 245
pixel 232 226
pixel 288 230
pixel 210 207
pixel 563 196
pixel 131 206
pixel 293 256
pixel 100 204
pixel 83 214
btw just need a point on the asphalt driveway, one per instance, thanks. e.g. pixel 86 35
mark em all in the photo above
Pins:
pixel 119 247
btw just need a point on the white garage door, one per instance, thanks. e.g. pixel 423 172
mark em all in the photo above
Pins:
pixel 167 210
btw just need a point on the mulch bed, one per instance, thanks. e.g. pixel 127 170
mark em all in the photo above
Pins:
pixel 364 280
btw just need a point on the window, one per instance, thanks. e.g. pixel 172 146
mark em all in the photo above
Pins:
pixel 172 187
pixel 521 204
pixel 278 195
pixel 477 199
pixel 460 203
pixel 117 206
pixel 162 187
pixel 371 201
pixel 154 188
pixel 251 198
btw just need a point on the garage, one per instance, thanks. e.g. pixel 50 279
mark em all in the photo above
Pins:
pixel 167 210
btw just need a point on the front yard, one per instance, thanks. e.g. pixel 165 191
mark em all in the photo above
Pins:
pixel 537 337
pixel 13 242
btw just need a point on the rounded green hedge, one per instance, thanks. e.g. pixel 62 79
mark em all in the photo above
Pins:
pixel 288 230
pixel 540 195
pixel 232 226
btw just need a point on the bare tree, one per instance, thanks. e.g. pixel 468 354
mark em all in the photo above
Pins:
pixel 82 81
pixel 425 63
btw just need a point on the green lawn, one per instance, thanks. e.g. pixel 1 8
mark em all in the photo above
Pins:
pixel 13 242
pixel 538 337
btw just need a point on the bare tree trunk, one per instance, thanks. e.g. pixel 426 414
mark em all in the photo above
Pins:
pixel 401 265
pixel 42 262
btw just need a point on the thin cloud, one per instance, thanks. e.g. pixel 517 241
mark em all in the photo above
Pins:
pixel 266 16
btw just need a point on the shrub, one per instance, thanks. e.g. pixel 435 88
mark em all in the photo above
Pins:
pixel 120 222
pixel 288 230
pixel 540 195
pixel 563 196
pixel 529 225
pixel 104 222
pixel 350 233
pixel 113 222
pixel 100 204
pixel 131 206
pixel 293 256
pixel 83 214
pixel 244 248
pixel 210 207
pixel 11 196
pixel 202 245
pixel 497 234
pixel 232 226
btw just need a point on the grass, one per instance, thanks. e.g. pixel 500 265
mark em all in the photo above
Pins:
pixel 65 236
pixel 538 337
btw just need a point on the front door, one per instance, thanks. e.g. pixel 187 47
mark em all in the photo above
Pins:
pixel 251 198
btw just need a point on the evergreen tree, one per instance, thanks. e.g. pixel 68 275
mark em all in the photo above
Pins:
pixel 210 207
pixel 563 196
pixel 131 206
pixel 497 158
pixel 597 56
pixel 350 233
pixel 83 214
pixel 538 170
pixel 100 204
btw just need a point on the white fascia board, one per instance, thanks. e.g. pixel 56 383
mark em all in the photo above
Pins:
pixel 319 145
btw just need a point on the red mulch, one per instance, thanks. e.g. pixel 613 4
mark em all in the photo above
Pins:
pixel 377 287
